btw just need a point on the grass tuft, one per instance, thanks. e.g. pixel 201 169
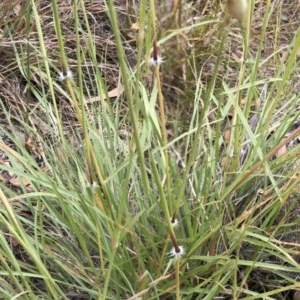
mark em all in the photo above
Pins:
pixel 149 150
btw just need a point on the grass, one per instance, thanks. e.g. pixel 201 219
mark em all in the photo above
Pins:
pixel 132 178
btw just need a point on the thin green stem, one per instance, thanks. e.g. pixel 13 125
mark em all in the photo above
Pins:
pixel 115 244
pixel 128 92
pixel 46 64
pixel 163 200
pixel 63 56
pixel 177 278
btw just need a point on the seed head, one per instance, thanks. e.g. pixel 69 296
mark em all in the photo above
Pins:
pixel 177 253
pixel 156 62
pixel 63 76
pixel 174 223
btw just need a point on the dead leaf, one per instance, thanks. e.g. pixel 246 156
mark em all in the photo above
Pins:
pixel 116 92
pixel 3 178
pixel 17 8
pixel 13 241
pixel 131 35
pixel 280 151
pixel 227 135
pixel 111 94
pixel 224 161
pixel 296 295
pixel 19 182
pixel 135 26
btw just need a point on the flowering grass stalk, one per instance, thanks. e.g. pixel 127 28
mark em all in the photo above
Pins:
pixel 156 61
pixel 177 278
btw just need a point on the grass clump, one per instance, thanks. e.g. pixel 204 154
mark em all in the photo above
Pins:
pixel 149 151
